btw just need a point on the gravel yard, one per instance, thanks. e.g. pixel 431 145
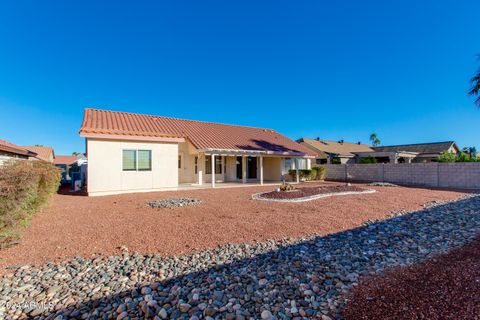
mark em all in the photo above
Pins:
pixel 443 287
pixel 83 226
pixel 268 280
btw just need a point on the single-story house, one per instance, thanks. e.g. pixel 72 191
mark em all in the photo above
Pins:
pixel 10 151
pixel 43 153
pixel 334 151
pixel 130 152
pixel 424 152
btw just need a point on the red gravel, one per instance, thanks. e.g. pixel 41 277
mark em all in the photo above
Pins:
pixel 87 226
pixel 309 191
pixel 445 287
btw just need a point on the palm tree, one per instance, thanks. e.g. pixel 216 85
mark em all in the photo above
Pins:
pixel 374 139
pixel 475 90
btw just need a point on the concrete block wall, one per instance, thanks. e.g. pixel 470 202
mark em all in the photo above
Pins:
pixel 448 175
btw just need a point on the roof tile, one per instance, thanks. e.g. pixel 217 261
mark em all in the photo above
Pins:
pixel 203 135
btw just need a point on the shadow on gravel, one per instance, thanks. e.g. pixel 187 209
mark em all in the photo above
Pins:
pixel 304 279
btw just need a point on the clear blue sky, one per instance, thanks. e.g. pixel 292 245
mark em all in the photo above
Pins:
pixel 332 69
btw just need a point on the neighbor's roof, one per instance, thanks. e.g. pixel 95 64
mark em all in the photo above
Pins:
pixel 203 135
pixel 43 153
pixel 13 148
pixel 434 147
pixel 334 147
pixel 62 159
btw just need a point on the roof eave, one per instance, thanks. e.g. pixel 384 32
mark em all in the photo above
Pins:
pixel 130 137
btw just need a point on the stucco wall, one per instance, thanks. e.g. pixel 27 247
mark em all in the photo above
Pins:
pixel 272 168
pixel 434 174
pixel 105 174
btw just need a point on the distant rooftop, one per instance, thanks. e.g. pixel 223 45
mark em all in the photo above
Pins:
pixel 433 147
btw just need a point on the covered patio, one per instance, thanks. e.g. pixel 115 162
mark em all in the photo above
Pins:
pixel 230 168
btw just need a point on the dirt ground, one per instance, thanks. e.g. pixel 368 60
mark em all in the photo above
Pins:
pixel 87 226
pixel 446 287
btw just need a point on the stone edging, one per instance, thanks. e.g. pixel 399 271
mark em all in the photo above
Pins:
pixel 257 196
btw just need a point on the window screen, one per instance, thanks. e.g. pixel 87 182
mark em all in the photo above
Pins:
pixel 144 160
pixel 129 160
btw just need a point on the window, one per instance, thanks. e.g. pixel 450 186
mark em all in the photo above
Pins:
pixel 302 164
pixel 144 160
pixel 129 160
pixel 208 165
pixel 196 165
pixel 179 162
pixel 137 160
pixel 218 165
pixel 287 165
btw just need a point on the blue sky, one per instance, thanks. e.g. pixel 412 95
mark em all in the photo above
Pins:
pixel 330 69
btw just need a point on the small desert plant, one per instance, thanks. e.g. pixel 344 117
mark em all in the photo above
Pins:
pixel 25 186
pixel 287 187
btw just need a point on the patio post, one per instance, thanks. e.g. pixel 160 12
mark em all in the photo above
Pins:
pixel 213 170
pixel 296 170
pixel 200 166
pixel 244 169
pixel 261 169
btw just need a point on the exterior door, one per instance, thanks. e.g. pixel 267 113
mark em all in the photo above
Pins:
pixel 239 167
pixel 251 168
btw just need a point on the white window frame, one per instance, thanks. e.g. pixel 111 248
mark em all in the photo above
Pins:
pixel 136 160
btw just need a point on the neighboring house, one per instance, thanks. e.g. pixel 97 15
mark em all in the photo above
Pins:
pixel 334 151
pixel 65 162
pixel 43 153
pixel 424 152
pixel 134 153
pixel 10 151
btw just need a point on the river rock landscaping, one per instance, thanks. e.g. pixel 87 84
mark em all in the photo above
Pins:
pixel 310 193
pixel 174 203
pixel 303 278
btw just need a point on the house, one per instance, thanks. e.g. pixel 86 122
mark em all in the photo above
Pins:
pixel 130 152
pixel 424 152
pixel 66 162
pixel 43 153
pixel 328 151
pixel 10 151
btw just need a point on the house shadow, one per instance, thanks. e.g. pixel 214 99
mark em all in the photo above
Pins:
pixel 266 145
pixel 313 273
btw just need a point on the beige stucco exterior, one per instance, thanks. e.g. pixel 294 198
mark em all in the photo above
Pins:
pixel 173 164
pixel 105 174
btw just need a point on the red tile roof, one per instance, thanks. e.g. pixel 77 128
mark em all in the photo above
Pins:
pixel 43 153
pixel 203 135
pixel 62 159
pixel 13 148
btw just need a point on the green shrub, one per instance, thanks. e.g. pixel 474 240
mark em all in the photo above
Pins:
pixel 305 174
pixel 25 186
pixel 368 160
pixel 336 161
pixel 452 157
pixel 319 173
pixel 447 157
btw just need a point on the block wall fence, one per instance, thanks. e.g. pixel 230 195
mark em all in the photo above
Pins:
pixel 465 175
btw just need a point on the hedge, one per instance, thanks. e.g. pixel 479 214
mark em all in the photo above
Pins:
pixel 25 186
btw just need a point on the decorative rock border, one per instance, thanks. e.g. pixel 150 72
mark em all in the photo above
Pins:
pixel 258 196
